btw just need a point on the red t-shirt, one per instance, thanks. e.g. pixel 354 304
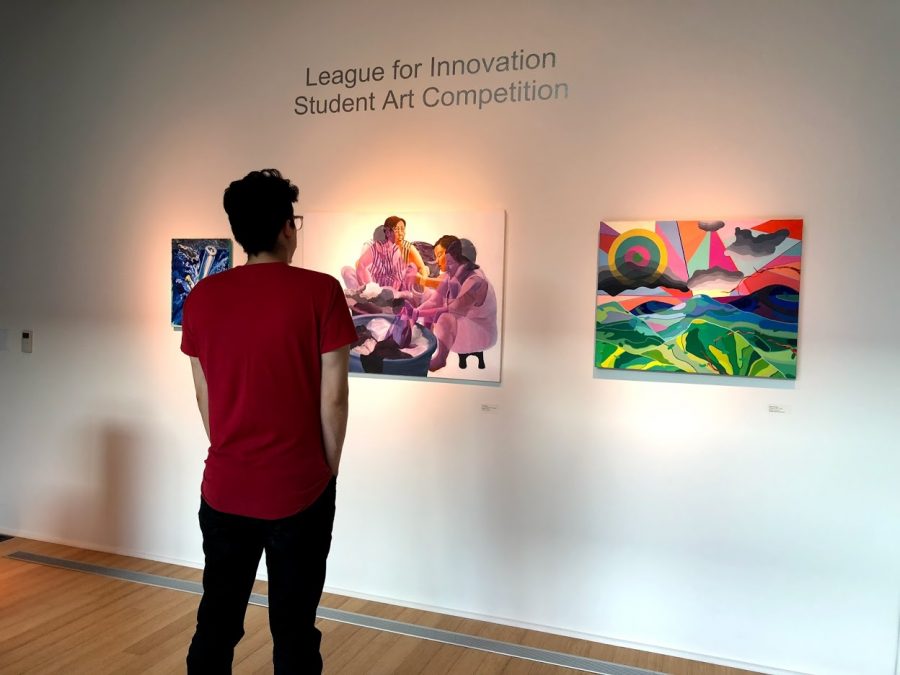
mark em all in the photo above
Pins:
pixel 259 332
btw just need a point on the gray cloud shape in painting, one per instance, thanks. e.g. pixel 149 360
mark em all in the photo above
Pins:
pixel 764 244
pixel 714 277
pixel 608 283
pixel 711 225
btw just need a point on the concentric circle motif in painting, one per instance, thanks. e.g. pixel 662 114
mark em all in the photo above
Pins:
pixel 638 256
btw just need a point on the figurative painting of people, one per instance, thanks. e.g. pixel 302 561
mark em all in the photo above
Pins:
pixel 425 289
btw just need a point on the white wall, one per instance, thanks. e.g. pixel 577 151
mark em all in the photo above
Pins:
pixel 675 513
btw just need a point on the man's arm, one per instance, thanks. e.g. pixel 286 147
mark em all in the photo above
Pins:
pixel 202 392
pixel 334 406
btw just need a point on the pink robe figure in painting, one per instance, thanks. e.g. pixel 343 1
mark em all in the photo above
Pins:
pixel 463 311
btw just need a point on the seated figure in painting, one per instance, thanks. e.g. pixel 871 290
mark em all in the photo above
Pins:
pixel 387 273
pixel 440 260
pixel 380 260
pixel 409 254
pixel 462 312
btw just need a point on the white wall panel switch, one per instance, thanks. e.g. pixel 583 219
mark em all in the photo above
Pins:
pixel 27 341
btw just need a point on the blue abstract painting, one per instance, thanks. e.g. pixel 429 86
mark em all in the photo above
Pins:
pixel 193 260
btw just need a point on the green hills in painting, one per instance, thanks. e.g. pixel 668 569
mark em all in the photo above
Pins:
pixel 700 335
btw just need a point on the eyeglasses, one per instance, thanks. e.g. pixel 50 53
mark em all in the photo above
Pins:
pixel 296 218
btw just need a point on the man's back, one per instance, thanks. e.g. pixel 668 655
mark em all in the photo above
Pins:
pixel 259 332
pixel 269 348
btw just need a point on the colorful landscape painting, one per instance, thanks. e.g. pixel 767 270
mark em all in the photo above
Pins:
pixel 192 260
pixel 713 297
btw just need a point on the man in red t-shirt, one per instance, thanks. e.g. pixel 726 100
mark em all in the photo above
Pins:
pixel 269 347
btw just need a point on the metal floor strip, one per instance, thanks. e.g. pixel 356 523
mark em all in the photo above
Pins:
pixel 412 630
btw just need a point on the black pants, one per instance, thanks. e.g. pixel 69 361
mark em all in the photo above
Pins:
pixel 296 548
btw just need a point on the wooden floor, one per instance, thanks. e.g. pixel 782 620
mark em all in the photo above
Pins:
pixel 61 621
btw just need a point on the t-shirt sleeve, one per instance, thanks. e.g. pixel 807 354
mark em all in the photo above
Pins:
pixel 337 327
pixel 188 341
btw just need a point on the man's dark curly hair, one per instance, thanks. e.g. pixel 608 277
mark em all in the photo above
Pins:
pixel 258 206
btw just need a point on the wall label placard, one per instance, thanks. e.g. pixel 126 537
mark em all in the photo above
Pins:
pixel 514 78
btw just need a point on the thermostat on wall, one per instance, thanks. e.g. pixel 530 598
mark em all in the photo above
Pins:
pixel 27 340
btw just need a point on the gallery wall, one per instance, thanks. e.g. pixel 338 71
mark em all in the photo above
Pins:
pixel 673 513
